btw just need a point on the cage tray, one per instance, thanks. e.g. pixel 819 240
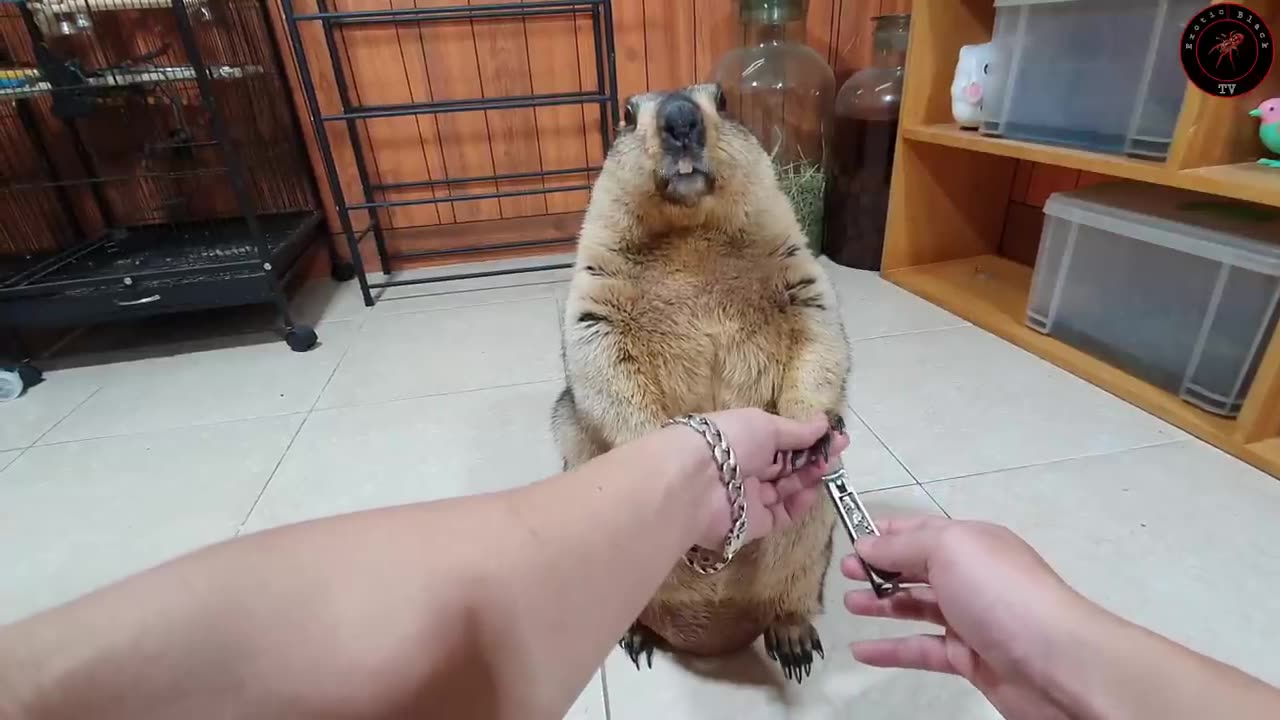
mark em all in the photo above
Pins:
pixel 177 253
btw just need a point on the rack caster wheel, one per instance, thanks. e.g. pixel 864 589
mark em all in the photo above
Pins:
pixel 16 380
pixel 342 271
pixel 301 338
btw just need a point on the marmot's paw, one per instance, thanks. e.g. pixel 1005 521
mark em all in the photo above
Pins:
pixel 793 646
pixel 798 459
pixel 638 641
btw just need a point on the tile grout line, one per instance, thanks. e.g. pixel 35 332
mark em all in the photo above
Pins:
pixel 933 499
pixel 306 412
pixel 447 393
pixel 604 690
pixel 915 480
pixel 1057 461
pixel 868 493
pixel 262 491
pixel 173 428
pixel 884 445
pixel 329 380
pixel 64 418
pixel 913 332
pixel 16 458
pixel 898 460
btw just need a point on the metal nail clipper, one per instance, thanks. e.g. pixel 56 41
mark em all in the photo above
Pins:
pixel 858 523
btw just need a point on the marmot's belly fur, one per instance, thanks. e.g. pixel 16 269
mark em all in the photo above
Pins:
pixel 697 330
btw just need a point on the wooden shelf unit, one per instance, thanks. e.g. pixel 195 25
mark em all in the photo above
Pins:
pixel 951 191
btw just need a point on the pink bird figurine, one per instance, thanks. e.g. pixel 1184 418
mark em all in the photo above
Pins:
pixel 1269 112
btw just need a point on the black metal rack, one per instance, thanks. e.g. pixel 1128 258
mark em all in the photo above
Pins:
pixel 604 95
pixel 137 177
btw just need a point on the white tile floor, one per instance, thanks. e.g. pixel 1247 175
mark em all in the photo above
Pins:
pixel 134 451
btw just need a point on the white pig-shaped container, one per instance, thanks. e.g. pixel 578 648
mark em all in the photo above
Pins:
pixel 969 85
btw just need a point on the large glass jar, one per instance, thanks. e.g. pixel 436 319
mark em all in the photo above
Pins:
pixel 867 111
pixel 784 92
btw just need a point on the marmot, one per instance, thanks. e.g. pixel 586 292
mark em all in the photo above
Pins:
pixel 694 291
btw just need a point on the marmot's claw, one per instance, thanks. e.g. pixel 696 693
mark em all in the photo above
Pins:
pixel 793 648
pixel 639 641
pixel 799 459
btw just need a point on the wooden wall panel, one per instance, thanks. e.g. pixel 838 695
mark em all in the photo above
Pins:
pixel 629 42
pixel 852 42
pixel 561 131
pixel 589 79
pixel 820 25
pixel 395 149
pixel 415 65
pixel 449 55
pixel 716 31
pixel 502 54
pixel 669 43
pixel 327 97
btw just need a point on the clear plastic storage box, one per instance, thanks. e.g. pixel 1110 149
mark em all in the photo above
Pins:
pixel 1102 75
pixel 1174 287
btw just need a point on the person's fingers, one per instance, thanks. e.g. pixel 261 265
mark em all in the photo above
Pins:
pixel 851 568
pixel 918 652
pixel 810 475
pixel 904 552
pixel 789 485
pixel 768 494
pixel 908 523
pixel 794 435
pixel 910 603
pixel 759 515
pixel 798 504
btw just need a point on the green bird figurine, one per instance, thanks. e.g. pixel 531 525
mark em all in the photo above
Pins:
pixel 1269 112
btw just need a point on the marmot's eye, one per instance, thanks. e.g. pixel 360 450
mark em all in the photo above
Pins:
pixel 629 116
pixel 722 102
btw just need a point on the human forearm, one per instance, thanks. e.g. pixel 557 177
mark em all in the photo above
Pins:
pixel 1106 668
pixel 374 614
pixel 338 618
pixel 643 505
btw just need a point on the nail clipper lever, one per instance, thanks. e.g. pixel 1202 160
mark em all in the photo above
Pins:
pixel 858 523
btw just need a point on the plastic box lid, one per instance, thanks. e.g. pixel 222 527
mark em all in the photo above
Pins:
pixel 1208 226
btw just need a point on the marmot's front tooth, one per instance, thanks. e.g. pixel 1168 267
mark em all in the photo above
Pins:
pixel 684 166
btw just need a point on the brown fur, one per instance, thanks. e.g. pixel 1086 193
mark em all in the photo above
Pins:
pixel 676 309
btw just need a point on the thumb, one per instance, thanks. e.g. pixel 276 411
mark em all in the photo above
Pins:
pixel 907 553
pixel 795 435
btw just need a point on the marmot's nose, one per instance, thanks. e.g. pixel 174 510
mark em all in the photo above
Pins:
pixel 681 121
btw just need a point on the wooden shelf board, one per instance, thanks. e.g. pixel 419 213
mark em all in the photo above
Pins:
pixel 991 292
pixel 1246 181
pixel 1264 454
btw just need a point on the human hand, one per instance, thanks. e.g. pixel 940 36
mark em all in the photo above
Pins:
pixel 774 499
pixel 1003 609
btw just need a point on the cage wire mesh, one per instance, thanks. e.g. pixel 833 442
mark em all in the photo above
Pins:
pixel 104 131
